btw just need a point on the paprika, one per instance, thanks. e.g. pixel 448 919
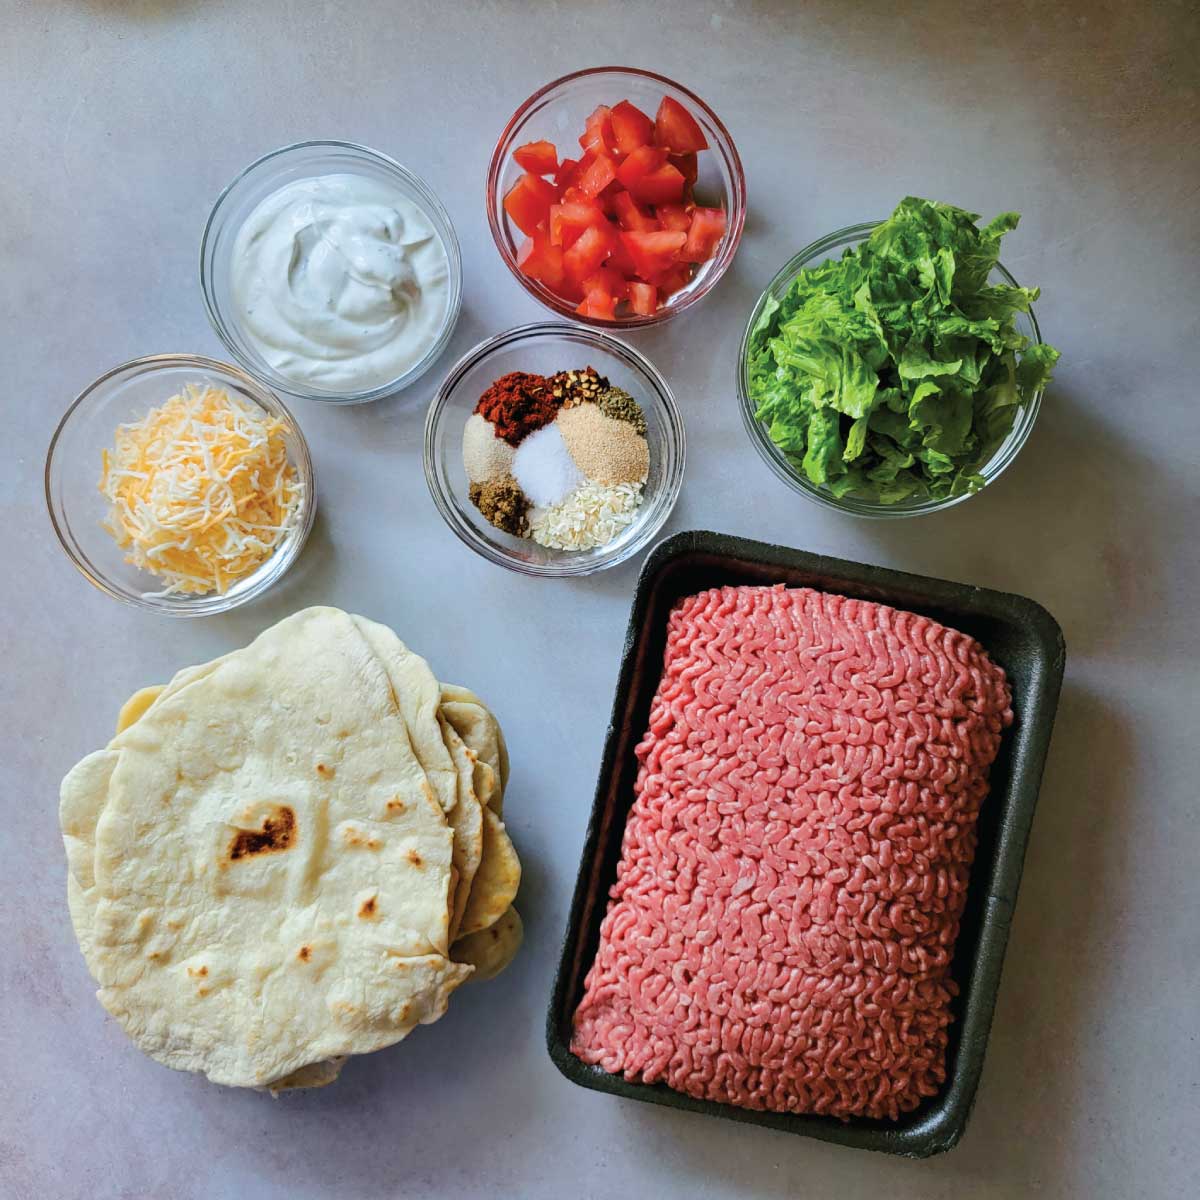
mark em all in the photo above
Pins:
pixel 517 404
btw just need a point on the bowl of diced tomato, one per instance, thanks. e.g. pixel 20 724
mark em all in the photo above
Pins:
pixel 616 197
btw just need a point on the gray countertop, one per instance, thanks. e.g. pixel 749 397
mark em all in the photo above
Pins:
pixel 121 123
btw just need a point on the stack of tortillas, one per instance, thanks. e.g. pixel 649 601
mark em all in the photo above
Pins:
pixel 291 854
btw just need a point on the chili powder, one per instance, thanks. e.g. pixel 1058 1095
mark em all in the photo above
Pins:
pixel 517 404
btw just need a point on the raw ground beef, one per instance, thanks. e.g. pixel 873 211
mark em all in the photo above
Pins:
pixel 795 862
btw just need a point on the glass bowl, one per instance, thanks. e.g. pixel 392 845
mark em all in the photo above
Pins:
pixel 791 474
pixel 557 113
pixel 307 160
pixel 73 465
pixel 543 349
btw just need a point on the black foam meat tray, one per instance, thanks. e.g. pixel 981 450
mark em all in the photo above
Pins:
pixel 1019 635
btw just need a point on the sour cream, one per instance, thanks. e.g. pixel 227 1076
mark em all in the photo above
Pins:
pixel 340 282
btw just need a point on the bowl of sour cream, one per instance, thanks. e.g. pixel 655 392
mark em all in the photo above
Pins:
pixel 331 272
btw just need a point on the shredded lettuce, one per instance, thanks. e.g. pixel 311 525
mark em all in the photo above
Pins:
pixel 897 371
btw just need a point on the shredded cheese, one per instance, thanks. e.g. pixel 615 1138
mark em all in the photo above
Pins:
pixel 201 491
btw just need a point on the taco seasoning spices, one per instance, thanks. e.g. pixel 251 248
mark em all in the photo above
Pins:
pixel 502 503
pixel 577 387
pixel 485 456
pixel 621 406
pixel 604 449
pixel 517 404
pixel 562 459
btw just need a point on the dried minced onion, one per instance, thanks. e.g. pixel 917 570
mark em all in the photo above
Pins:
pixel 592 515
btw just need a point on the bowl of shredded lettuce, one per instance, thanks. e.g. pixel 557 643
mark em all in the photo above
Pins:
pixel 895 368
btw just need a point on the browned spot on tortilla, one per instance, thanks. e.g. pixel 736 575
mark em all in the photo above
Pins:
pixel 396 805
pixel 304 953
pixel 324 771
pixel 343 733
pixel 278 832
pixel 414 858
pixel 203 991
pixel 197 971
pixel 367 908
pixel 355 837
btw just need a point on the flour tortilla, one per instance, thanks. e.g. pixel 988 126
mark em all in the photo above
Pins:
pixel 499 874
pixel 467 713
pixel 445 763
pixel 136 706
pixel 315 1075
pixel 466 822
pixel 491 950
pixel 248 964
pixel 465 818
pixel 481 733
pixel 496 881
pixel 418 694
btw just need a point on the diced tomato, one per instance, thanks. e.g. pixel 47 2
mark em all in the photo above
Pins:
pixel 653 253
pixel 569 220
pixel 676 128
pixel 598 306
pixel 686 165
pixel 675 277
pixel 630 216
pixel 664 186
pixel 598 176
pixel 640 163
pixel 528 202
pixel 540 260
pixel 607 280
pixel 567 173
pixel 540 158
pixel 591 248
pixel 598 132
pixel 607 199
pixel 569 289
pixel 621 260
pixel 707 230
pixel 674 217
pixel 643 299
pixel 631 127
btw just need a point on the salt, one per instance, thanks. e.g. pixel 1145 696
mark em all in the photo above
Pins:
pixel 543 467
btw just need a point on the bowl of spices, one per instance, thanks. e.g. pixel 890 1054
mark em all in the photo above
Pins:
pixel 552 449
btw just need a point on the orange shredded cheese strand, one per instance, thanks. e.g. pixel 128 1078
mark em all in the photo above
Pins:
pixel 200 491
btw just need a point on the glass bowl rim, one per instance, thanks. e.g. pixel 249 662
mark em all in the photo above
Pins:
pixel 736 210
pixel 445 230
pixel 794 479
pixel 208 604
pixel 566 567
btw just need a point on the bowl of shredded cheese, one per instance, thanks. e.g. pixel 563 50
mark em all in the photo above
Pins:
pixel 179 484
